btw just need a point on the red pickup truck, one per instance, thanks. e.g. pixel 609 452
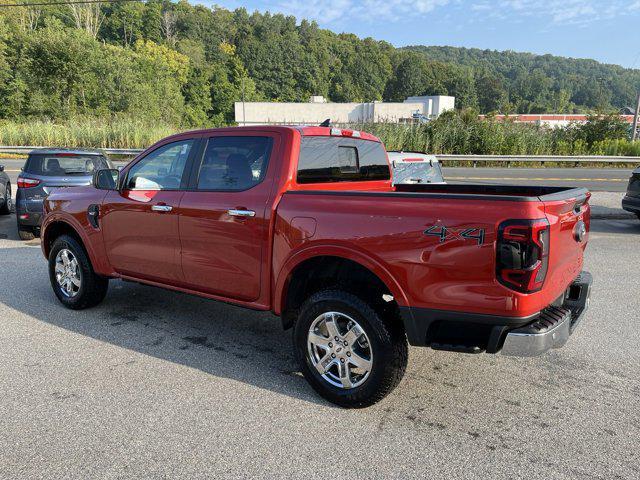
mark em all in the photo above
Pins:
pixel 304 221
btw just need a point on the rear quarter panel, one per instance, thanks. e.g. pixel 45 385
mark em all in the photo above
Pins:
pixel 453 273
pixel 565 253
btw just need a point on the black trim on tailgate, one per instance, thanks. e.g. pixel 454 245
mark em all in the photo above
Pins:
pixel 461 192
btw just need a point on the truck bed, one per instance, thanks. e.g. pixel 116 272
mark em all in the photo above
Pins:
pixel 455 272
pixel 511 192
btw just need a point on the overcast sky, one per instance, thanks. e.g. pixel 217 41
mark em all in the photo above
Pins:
pixel 605 30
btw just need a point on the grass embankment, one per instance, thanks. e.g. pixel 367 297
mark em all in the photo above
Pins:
pixel 88 133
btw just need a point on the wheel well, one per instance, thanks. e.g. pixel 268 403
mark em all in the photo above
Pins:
pixel 57 229
pixel 326 272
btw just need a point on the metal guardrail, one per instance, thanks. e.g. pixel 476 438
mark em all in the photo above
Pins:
pixel 108 151
pixel 508 159
pixel 540 159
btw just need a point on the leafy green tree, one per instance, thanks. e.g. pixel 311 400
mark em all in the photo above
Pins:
pixel 492 96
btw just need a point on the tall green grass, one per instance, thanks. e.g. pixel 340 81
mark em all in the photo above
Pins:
pixel 456 133
pixel 488 138
pixel 90 133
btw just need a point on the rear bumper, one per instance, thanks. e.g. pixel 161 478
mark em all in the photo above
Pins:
pixel 28 212
pixel 554 326
pixel 520 336
pixel 631 204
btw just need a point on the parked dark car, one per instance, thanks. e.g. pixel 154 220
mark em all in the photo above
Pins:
pixel 631 201
pixel 45 170
pixel 5 192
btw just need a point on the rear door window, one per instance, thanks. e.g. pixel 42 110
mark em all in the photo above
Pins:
pixel 59 165
pixel 339 159
pixel 234 163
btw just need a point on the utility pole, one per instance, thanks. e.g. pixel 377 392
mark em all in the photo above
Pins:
pixel 634 132
pixel 244 118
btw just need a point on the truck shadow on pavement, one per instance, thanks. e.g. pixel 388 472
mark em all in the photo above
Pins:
pixel 216 338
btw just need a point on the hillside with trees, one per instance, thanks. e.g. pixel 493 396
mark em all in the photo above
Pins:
pixel 513 82
pixel 184 65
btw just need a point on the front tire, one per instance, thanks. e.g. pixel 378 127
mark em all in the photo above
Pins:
pixel 351 353
pixel 72 277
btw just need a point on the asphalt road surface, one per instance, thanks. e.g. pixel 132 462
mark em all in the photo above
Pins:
pixel 159 384
pixel 595 179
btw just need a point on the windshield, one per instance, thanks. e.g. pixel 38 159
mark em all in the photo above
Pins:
pixel 57 165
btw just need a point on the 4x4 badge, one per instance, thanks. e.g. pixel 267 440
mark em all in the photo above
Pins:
pixel 445 233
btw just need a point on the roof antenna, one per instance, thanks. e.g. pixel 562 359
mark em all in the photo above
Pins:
pixel 326 123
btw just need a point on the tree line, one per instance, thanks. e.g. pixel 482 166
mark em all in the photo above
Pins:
pixel 184 65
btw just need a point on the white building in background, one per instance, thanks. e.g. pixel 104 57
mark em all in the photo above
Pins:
pixel 318 110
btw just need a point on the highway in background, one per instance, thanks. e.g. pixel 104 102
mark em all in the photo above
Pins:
pixel 595 179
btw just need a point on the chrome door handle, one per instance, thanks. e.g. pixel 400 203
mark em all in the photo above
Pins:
pixel 241 213
pixel 161 208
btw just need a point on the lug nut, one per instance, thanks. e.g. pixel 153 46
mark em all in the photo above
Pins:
pixel 342 360
pixel 333 355
pixel 348 354
pixel 330 345
pixel 346 343
pixel 335 338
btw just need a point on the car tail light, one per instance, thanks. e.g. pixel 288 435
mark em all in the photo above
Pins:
pixel 522 254
pixel 27 182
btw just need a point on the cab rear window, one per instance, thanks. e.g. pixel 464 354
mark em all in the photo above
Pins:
pixel 339 159
pixel 52 165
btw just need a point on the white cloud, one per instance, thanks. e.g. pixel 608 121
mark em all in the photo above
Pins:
pixel 344 13
pixel 567 12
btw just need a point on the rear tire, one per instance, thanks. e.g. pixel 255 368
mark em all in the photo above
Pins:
pixel 380 345
pixel 73 281
pixel 6 206
pixel 25 233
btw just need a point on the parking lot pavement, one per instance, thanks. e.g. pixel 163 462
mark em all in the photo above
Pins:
pixel 159 384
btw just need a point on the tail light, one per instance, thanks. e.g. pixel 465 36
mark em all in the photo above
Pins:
pixel 27 182
pixel 345 132
pixel 522 256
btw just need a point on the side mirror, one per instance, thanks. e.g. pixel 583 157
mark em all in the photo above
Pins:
pixel 1 168
pixel 106 179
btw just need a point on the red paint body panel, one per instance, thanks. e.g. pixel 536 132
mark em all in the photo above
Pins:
pixel 453 275
pixel 199 248
pixel 139 241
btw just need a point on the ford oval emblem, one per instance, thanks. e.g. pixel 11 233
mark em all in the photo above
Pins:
pixel 579 231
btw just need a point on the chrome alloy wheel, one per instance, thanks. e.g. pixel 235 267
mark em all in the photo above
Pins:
pixel 67 273
pixel 340 350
